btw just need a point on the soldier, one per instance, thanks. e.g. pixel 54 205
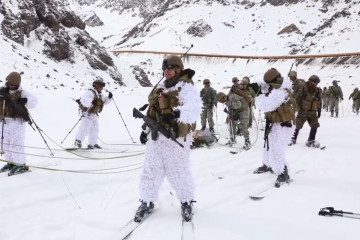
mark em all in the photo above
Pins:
pixel 238 111
pixel 325 99
pixel 356 99
pixel 208 96
pixel 91 104
pixel 279 115
pixel 296 83
pixel 308 99
pixel 176 105
pixel 352 95
pixel 14 102
pixel 335 95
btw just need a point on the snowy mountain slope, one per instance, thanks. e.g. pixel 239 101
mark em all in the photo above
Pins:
pixel 50 29
pixel 244 28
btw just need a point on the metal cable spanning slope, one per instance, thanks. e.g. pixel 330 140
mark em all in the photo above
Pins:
pixel 284 57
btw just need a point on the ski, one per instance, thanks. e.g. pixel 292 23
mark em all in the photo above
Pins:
pixel 75 149
pixel 188 230
pixel 131 226
pixel 18 173
pixel 266 191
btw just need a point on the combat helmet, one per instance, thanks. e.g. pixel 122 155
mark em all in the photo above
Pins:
pixel 14 78
pixel 206 81
pixel 172 60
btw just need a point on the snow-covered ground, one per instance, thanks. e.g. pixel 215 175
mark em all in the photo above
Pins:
pixel 55 205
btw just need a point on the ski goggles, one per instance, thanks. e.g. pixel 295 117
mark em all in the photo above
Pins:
pixel 169 67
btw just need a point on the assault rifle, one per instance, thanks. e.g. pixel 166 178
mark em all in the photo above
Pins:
pixel 155 127
pixel 19 109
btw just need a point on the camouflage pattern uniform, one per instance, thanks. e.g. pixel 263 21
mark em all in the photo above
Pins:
pixel 356 99
pixel 239 115
pixel 308 99
pixel 335 95
pixel 251 104
pixel 208 97
pixel 325 99
pixel 296 83
pixel 352 95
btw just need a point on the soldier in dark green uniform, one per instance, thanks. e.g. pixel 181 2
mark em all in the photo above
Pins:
pixel 352 95
pixel 208 97
pixel 335 96
pixel 308 99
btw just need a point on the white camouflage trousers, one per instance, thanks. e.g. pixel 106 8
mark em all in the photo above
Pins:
pixel 165 158
pixel 14 140
pixel 89 126
pixel 279 138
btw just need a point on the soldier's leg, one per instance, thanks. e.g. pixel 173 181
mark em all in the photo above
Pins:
pixel 94 132
pixel 153 170
pixel 244 124
pixel 357 106
pixel 14 137
pixel 279 138
pixel 83 129
pixel 337 107
pixel 332 106
pixel 300 120
pixel 177 168
pixel 314 125
pixel 210 115
pixel 203 118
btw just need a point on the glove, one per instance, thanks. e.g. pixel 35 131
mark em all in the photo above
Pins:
pixel 175 114
pixel 286 124
pixel 110 95
pixel 22 101
pixel 319 113
pixel 225 110
pixel 143 137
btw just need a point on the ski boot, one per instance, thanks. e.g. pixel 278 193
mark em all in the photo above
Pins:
pixel 263 169
pixel 337 114
pixel 312 144
pixel 17 169
pixel 203 128
pixel 212 130
pixel 332 113
pixel 282 178
pixel 186 211
pixel 97 146
pixel 247 144
pixel 231 141
pixel 143 209
pixel 77 143
pixel 292 142
pixel 7 167
pixel 90 146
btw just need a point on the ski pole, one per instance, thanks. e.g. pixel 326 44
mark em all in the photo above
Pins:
pixel 2 130
pixel 39 130
pixel 123 120
pixel 72 129
pixel 330 211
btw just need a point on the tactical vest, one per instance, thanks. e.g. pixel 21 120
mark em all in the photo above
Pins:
pixel 162 104
pixel 284 113
pixel 310 101
pixel 9 111
pixel 97 104
pixel 335 91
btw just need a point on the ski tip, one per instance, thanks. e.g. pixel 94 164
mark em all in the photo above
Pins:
pixel 256 197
